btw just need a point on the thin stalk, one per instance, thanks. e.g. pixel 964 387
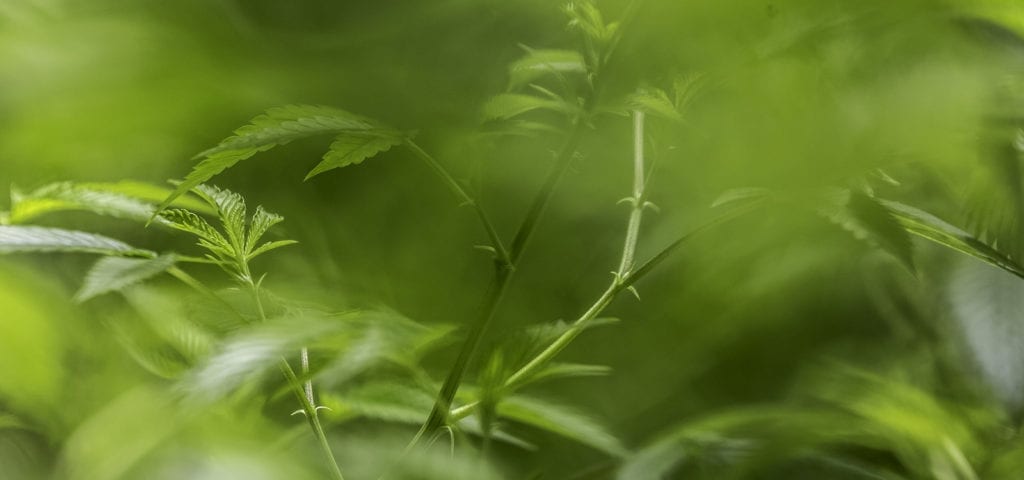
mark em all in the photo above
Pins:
pixel 526 372
pixel 303 391
pixel 501 254
pixel 625 264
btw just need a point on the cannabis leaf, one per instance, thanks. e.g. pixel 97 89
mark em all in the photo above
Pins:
pixel 114 273
pixel 561 420
pixel 354 148
pixel 127 200
pixel 538 63
pixel 278 126
pixel 930 227
pixel 17 239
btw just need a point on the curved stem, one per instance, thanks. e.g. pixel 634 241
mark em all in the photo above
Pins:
pixel 502 256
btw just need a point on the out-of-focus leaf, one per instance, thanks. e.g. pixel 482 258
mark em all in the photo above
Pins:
pixel 561 420
pixel 352 148
pixel 252 353
pixel 563 370
pixel 988 304
pixel 114 273
pixel 128 200
pixel 113 440
pixel 23 239
pixel 539 63
pixel 508 105
pixel 736 195
pixel 656 102
pixel 869 220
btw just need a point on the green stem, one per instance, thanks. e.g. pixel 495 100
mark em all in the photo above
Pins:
pixel 502 256
pixel 309 408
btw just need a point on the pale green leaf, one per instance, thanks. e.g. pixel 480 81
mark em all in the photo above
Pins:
pixel 128 200
pixel 539 63
pixel 561 420
pixel 266 247
pixel 18 239
pixel 656 102
pixel 114 273
pixel 508 105
pixel 737 195
pixel 352 148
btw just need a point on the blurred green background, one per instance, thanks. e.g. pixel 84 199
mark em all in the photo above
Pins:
pixel 762 319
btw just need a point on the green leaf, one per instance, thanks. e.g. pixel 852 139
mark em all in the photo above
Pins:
pixel 231 211
pixel 561 420
pixel 262 220
pixel 737 195
pixel 869 220
pixel 128 200
pixel 538 63
pixel 564 370
pixel 930 227
pixel 277 126
pixel 508 105
pixel 19 239
pixel 114 273
pixel 655 102
pixel 352 148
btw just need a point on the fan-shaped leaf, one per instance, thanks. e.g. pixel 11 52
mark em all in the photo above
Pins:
pixel 114 273
pixel 655 102
pixel 352 148
pixel 277 126
pixel 16 239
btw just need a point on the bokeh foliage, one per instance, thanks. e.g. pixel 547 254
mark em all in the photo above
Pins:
pixel 814 339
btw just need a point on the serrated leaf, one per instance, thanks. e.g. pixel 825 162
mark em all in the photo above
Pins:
pixel 277 126
pixel 352 148
pixel 266 247
pixel 127 200
pixel 930 227
pixel 538 63
pixel 508 105
pixel 262 220
pixel 114 273
pixel 19 239
pixel 656 102
pixel 561 420
pixel 231 211
pixel 870 220
pixel 210 238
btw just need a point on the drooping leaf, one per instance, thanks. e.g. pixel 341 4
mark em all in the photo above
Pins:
pixel 114 273
pixel 932 228
pixel 539 63
pixel 278 126
pixel 561 420
pixel 737 195
pixel 508 105
pixel 869 220
pixel 19 239
pixel 352 148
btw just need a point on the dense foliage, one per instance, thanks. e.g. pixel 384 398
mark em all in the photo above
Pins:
pixel 527 240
